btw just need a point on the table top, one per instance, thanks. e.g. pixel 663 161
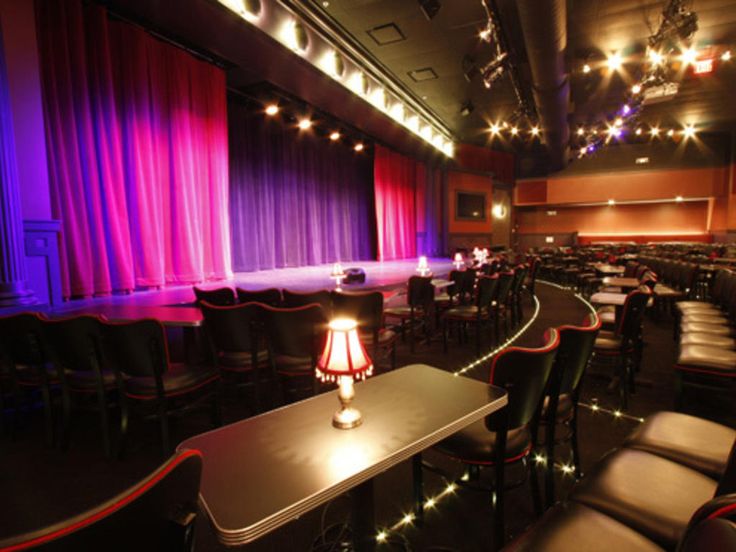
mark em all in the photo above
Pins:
pixel 265 471
pixel 605 268
pixel 621 282
pixel 603 298
pixel 439 283
pixel 168 315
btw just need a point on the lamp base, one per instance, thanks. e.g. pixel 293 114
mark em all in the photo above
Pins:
pixel 347 418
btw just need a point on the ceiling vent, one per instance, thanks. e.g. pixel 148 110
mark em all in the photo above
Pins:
pixel 423 74
pixel 386 34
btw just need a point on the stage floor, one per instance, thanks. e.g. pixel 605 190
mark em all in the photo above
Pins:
pixel 380 275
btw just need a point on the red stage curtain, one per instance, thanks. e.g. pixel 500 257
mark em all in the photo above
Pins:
pixel 136 131
pixel 395 180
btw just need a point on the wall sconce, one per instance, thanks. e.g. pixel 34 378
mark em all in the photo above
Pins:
pixel 499 211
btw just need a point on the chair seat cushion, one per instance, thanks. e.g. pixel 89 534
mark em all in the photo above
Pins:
pixel 650 494
pixel 607 341
pixel 607 317
pixel 683 306
pixel 240 361
pixel 699 317
pixel 463 312
pixel 475 444
pixel 572 526
pixel 611 289
pixel 700 327
pixel 442 298
pixel 87 380
pixel 713 359
pixel 30 375
pixel 708 340
pixel 178 380
pixel 402 311
pixel 666 291
pixel 564 407
pixel 385 337
pixel 693 442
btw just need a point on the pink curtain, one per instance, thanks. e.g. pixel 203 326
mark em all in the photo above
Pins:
pixel 136 131
pixel 395 181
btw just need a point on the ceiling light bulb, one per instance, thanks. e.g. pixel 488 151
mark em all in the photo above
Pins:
pixel 618 122
pixel 638 132
pixel 514 131
pixel 335 136
pixel 581 131
pixel 612 202
pixel 485 34
pixel 586 68
pixel 678 199
pixel 495 129
pixel 655 58
pixel 614 61
pixel 272 109
pixel 726 55
pixel 626 109
pixel 654 131
pixel 636 89
pixel 670 132
pixel 535 131
pixel 359 146
pixel 688 131
pixel 583 150
pixel 689 56
pixel 305 124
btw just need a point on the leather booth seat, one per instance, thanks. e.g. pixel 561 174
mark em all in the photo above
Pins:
pixel 702 327
pixel 701 317
pixel 684 306
pixel 708 340
pixel 714 359
pixel 693 442
pixel 652 495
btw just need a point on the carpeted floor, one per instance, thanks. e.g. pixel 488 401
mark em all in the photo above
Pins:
pixel 42 485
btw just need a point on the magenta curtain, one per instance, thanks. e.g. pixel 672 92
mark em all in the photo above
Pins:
pixel 395 182
pixel 136 131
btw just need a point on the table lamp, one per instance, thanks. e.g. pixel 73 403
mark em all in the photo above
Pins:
pixel 338 274
pixel 343 361
pixel 459 262
pixel 423 267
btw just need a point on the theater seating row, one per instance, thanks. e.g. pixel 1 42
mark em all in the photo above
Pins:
pixel 671 486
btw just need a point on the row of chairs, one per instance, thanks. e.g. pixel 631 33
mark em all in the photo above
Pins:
pixel 543 387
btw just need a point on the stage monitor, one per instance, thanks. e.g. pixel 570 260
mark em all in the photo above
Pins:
pixel 470 206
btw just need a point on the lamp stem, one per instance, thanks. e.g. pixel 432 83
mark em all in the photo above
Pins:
pixel 347 417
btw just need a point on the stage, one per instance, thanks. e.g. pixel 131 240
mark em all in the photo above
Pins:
pixel 380 276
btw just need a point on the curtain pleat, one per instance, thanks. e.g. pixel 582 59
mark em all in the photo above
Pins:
pixel 395 188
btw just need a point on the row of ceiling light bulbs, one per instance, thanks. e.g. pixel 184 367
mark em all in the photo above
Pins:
pixel 656 58
pixel 293 34
pixel 614 130
pixel 306 123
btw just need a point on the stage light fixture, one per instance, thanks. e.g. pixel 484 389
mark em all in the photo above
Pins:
pixel 272 109
pixel 494 70
pixel 335 136
pixel 583 150
pixel 359 147
pixel 688 56
pixel 305 124
pixel 614 61
pixel 655 58
pixel 688 131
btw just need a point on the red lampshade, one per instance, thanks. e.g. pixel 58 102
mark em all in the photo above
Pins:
pixel 344 354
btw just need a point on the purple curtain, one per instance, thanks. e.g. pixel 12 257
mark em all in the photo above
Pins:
pixel 296 198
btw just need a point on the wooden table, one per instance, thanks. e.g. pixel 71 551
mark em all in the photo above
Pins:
pixel 623 283
pixel 603 298
pixel 261 473
pixel 604 268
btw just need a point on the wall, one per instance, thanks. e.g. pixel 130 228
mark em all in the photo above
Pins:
pixel 466 234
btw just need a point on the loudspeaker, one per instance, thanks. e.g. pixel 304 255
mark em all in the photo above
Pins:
pixel 354 276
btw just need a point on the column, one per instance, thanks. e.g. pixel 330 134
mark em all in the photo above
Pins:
pixel 13 275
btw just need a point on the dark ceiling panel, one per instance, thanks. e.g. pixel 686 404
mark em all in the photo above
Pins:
pixel 386 34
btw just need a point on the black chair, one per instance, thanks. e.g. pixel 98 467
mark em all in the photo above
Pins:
pixel 292 299
pixel 419 300
pixel 270 296
pixel 466 286
pixel 158 513
pixel 235 335
pixel 476 314
pixel 222 297
pixel 505 437
pixel 514 302
pixel 152 384
pixel 449 296
pixel 501 301
pixel 366 307
pixel 561 403
pixel 295 340
pixel 23 342
pixel 75 345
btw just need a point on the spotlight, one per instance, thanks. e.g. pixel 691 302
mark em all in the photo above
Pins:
pixel 514 131
pixel 359 147
pixel 688 131
pixel 495 129
pixel 670 133
pixel 583 150
pixel 494 70
pixel 614 61
pixel 397 112
pixel 618 122
pixel 612 202
pixel 272 109
pixel 586 68
pixel 726 56
pixel 654 131
pixel 638 132
pixel 636 89
pixel 689 56
pixel 534 131
pixel 485 34
pixel 335 136
pixel 655 58
pixel 581 131
pixel 467 108
pixel 305 124
pixel 297 39
pixel 626 109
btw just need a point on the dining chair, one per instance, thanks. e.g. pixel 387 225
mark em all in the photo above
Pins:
pixel 477 314
pixel 223 296
pixel 420 297
pixel 270 296
pixel 322 297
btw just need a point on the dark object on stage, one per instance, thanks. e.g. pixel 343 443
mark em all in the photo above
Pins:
pixel 354 276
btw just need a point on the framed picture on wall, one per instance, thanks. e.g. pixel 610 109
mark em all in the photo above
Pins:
pixel 470 206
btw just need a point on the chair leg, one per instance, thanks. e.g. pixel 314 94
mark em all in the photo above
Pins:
pixel 574 445
pixel 678 390
pixel 549 479
pixel 48 414
pixel 534 483
pixel 499 526
pixel 104 421
pixel 418 479
pixel 164 421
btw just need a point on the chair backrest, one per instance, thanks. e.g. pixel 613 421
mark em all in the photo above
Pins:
pixel 524 374
pixel 456 276
pixel 520 273
pixel 22 338
pixel 365 307
pixel 420 292
pixel 720 506
pixel 486 291
pixel 633 312
pixel 75 343
pixel 223 296
pixel 573 354
pixel 136 348
pixel 231 328
pixel 630 269
pixel 297 332
pixel 711 534
pixel 158 513
pixel 270 296
pixel 466 288
pixel 293 299
pixel 505 281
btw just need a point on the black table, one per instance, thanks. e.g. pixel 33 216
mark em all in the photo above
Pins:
pixel 265 471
